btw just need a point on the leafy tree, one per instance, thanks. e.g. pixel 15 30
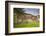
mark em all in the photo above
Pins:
pixel 18 12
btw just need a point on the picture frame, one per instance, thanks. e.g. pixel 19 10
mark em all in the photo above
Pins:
pixel 11 6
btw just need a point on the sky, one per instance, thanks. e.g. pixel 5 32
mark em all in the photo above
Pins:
pixel 32 11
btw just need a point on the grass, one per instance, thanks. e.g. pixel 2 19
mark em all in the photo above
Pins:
pixel 26 24
pixel 31 24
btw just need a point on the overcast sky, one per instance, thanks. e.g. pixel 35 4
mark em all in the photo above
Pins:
pixel 32 11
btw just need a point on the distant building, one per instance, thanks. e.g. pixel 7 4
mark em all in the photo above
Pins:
pixel 28 18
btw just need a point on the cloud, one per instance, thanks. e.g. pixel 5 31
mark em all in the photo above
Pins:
pixel 32 11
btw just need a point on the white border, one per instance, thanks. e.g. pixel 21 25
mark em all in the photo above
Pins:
pixel 19 5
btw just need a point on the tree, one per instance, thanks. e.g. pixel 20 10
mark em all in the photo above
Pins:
pixel 19 13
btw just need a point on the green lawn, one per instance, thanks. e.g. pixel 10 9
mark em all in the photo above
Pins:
pixel 27 25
